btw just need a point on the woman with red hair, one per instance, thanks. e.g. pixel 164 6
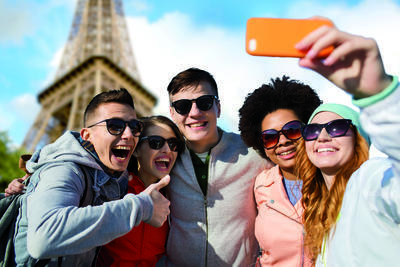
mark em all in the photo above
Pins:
pixel 351 214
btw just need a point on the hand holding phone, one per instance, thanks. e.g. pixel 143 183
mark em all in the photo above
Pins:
pixel 275 37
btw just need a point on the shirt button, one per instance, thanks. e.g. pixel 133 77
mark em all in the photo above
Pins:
pixel 203 176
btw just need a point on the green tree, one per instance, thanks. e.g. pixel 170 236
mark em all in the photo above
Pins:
pixel 9 158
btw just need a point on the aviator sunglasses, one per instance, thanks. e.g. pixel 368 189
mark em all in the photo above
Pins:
pixel 204 103
pixel 117 126
pixel 291 130
pixel 335 128
pixel 157 142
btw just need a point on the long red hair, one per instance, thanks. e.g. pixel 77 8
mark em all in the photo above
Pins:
pixel 322 206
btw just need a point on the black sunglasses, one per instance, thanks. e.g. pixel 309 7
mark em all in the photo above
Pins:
pixel 335 128
pixel 117 126
pixel 204 103
pixel 157 142
pixel 291 130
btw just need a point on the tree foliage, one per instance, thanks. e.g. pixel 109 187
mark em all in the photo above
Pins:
pixel 9 158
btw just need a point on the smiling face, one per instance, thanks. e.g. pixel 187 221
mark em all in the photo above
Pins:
pixel 330 154
pixel 155 164
pixel 284 153
pixel 199 127
pixel 113 151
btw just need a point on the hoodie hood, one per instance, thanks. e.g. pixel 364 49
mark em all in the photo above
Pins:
pixel 67 148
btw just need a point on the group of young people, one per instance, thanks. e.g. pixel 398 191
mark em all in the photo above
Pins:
pixel 295 188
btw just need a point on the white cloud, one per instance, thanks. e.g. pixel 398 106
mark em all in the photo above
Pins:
pixel 173 43
pixel 376 19
pixel 17 115
pixel 25 107
pixel 15 21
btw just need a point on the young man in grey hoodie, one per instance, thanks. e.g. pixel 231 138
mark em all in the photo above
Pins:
pixel 51 223
pixel 211 190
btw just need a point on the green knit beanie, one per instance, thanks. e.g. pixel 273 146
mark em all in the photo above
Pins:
pixel 346 113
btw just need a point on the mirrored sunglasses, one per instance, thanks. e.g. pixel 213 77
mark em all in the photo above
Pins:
pixel 204 103
pixel 335 128
pixel 117 126
pixel 291 130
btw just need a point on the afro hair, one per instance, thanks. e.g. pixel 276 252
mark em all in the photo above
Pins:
pixel 281 93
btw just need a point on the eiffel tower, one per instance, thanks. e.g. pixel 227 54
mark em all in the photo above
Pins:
pixel 97 57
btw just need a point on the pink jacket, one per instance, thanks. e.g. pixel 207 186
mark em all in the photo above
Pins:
pixel 278 226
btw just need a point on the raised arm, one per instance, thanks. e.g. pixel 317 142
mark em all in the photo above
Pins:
pixel 355 65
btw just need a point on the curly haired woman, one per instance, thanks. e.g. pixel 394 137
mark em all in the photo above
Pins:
pixel 270 122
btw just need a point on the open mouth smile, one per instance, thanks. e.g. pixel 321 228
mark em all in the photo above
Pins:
pixel 121 152
pixel 162 163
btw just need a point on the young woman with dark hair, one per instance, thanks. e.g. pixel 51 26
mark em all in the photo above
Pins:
pixel 270 121
pixel 160 143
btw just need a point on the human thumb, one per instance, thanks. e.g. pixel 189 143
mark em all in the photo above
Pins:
pixel 162 183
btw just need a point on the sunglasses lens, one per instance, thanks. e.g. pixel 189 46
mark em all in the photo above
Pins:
pixel 174 144
pixel 156 142
pixel 205 103
pixel 115 126
pixel 182 106
pixel 136 127
pixel 270 138
pixel 311 132
pixel 292 130
pixel 337 128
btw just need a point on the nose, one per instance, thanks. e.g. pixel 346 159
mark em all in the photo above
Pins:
pixel 127 133
pixel 194 109
pixel 283 139
pixel 165 148
pixel 323 136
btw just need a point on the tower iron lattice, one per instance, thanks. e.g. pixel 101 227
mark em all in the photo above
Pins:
pixel 97 57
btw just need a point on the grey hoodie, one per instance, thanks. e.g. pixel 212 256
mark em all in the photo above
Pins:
pixel 216 229
pixel 51 223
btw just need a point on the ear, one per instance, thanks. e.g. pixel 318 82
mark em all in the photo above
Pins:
pixel 172 113
pixel 218 109
pixel 85 134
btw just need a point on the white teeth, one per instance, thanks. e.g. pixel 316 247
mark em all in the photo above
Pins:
pixel 123 147
pixel 328 149
pixel 164 159
pixel 196 124
pixel 287 152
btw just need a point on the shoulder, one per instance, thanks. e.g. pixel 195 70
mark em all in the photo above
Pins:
pixel 371 168
pixel 370 177
pixel 61 174
pixel 232 148
pixel 232 143
pixel 228 137
pixel 267 177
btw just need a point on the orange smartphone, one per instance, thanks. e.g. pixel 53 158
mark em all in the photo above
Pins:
pixel 275 37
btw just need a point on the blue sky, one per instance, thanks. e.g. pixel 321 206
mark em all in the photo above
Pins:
pixel 169 36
